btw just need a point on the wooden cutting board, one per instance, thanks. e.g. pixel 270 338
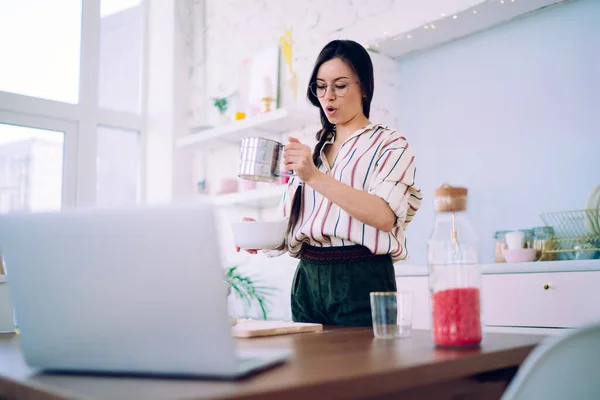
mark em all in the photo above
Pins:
pixel 248 329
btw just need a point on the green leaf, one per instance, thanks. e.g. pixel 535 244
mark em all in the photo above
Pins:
pixel 250 290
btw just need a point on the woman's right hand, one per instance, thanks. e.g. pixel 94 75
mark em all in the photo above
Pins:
pixel 251 251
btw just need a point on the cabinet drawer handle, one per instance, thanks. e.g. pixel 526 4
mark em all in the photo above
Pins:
pixel 546 286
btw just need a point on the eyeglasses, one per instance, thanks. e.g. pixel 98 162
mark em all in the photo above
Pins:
pixel 339 89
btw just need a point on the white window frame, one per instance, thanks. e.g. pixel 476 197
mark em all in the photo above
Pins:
pixel 69 176
pixel 80 121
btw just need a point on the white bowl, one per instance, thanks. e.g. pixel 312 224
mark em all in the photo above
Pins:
pixel 259 235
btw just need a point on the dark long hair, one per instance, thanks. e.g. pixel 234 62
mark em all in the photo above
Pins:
pixel 357 58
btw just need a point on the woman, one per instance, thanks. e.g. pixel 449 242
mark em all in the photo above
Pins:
pixel 352 199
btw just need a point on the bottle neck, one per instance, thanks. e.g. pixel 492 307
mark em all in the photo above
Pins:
pixel 449 216
pixel 453 226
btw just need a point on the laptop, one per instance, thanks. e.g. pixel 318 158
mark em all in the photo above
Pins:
pixel 124 291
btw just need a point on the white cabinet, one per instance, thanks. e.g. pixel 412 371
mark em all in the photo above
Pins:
pixel 543 303
pixel 418 286
pixel 547 300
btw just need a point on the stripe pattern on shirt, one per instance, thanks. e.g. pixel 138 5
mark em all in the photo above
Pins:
pixel 374 159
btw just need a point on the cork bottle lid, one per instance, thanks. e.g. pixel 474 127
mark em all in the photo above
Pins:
pixel 448 190
pixel 450 198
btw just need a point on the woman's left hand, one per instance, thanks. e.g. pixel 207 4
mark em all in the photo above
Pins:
pixel 298 157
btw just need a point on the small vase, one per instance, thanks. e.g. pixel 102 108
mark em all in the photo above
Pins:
pixel 224 119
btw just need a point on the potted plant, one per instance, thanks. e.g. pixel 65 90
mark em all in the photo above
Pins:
pixel 222 105
pixel 249 290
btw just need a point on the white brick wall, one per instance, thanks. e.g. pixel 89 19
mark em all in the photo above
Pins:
pixel 237 29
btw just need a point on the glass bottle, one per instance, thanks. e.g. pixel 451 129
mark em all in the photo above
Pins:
pixel 499 246
pixel 527 238
pixel 454 272
pixel 543 241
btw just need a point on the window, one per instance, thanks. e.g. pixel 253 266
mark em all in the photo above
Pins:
pixel 71 78
pixel 118 163
pixel 120 55
pixel 109 7
pixel 40 42
pixel 31 169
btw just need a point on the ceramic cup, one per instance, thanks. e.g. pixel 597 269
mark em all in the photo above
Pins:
pixel 515 240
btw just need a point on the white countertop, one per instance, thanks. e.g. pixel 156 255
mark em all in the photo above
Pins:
pixel 407 269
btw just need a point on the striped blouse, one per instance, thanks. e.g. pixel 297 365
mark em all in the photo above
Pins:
pixel 374 159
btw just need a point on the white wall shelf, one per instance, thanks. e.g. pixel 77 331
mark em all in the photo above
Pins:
pixel 257 198
pixel 275 122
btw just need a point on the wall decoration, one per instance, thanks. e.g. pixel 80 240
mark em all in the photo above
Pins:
pixel 286 50
pixel 258 81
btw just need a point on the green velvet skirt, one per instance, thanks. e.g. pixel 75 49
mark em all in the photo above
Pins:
pixel 332 285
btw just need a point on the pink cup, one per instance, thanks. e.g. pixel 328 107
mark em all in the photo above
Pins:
pixel 246 185
pixel 228 186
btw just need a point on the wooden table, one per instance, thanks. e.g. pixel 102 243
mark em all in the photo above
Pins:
pixel 346 363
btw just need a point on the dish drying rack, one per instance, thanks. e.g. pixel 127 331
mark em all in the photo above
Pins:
pixel 574 231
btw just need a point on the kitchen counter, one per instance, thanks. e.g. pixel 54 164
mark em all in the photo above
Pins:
pixel 336 363
pixel 407 269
